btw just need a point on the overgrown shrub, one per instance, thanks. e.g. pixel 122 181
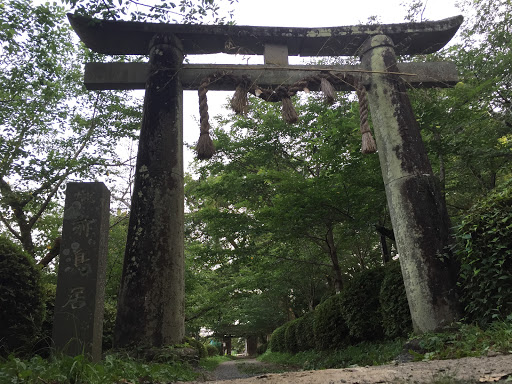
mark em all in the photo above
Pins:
pixel 396 316
pixel 305 332
pixel 109 322
pixel 198 346
pixel 21 299
pixel 330 328
pixel 44 343
pixel 290 337
pixel 484 247
pixel 278 340
pixel 212 350
pixel 360 305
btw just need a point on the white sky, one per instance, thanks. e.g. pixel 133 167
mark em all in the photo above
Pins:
pixel 299 13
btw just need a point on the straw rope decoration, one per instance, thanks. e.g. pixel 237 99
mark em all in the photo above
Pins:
pixel 368 143
pixel 205 148
pixel 239 103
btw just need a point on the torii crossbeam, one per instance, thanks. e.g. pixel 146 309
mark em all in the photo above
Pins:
pixel 151 300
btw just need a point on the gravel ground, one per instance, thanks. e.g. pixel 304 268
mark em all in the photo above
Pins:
pixel 495 369
pixel 229 370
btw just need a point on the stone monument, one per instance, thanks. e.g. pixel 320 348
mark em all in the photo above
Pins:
pixel 79 304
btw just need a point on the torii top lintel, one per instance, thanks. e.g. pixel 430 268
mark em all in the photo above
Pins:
pixel 133 38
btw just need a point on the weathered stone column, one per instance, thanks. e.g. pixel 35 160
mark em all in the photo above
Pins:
pixel 251 345
pixel 79 303
pixel 226 345
pixel 151 300
pixel 418 212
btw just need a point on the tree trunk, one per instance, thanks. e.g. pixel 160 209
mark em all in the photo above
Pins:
pixel 333 254
pixel 386 256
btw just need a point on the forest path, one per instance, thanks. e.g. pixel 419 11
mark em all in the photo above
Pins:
pixel 496 369
pixel 228 370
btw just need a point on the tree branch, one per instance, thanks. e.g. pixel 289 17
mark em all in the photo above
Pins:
pixel 9 228
pixel 304 261
pixel 52 253
pixel 69 170
pixel 200 313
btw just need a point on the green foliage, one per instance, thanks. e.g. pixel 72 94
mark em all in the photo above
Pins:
pixel 467 128
pixel 362 354
pixel 116 246
pixel 77 370
pixel 21 299
pixel 278 339
pixel 290 336
pixel 467 340
pixel 330 327
pixel 485 252
pixel 109 321
pixel 211 362
pixel 359 303
pixel 212 350
pixel 44 338
pixel 305 332
pixel 51 128
pixel 396 316
pixel 182 11
pixel 278 211
pixel 198 346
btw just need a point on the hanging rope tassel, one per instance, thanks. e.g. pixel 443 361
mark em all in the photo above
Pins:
pixel 328 90
pixel 288 110
pixel 368 143
pixel 239 102
pixel 205 148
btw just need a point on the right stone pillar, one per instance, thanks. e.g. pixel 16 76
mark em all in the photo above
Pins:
pixel 417 209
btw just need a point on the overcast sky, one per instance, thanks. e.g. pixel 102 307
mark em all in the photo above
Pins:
pixel 332 13
pixel 299 13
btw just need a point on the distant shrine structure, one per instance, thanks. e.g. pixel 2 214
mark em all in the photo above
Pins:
pixel 151 300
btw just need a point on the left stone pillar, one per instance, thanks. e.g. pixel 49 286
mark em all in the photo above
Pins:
pixel 150 309
pixel 79 303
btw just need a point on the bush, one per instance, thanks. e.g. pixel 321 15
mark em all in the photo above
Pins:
pixel 21 300
pixel 360 305
pixel 290 337
pixel 330 328
pixel 278 339
pixel 212 350
pixel 198 346
pixel 484 248
pixel 305 332
pixel 44 344
pixel 396 316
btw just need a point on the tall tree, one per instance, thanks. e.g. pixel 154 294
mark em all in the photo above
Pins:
pixel 184 11
pixel 272 182
pixel 468 129
pixel 53 130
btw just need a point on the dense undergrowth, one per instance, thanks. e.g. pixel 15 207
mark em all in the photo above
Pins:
pixel 467 340
pixel 461 341
pixel 362 354
pixel 212 362
pixel 113 369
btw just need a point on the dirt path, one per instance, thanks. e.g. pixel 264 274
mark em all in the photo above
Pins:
pixel 229 370
pixel 470 369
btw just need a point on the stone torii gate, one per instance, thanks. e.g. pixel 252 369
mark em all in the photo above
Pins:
pixel 151 300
